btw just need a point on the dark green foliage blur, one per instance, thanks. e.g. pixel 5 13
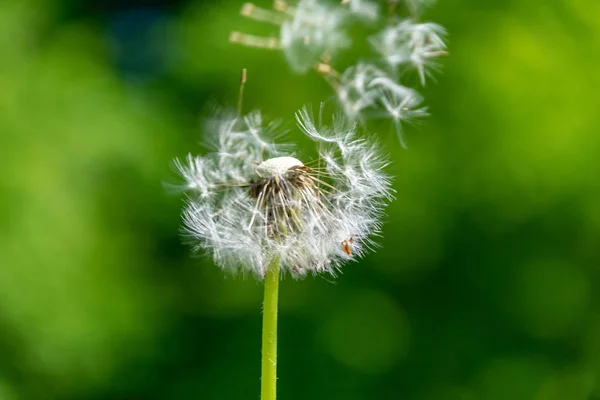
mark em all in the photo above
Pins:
pixel 486 282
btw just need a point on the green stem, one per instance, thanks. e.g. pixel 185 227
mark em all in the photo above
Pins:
pixel 268 389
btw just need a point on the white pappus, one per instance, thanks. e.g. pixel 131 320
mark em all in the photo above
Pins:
pixel 365 90
pixel 251 201
pixel 308 31
pixel 313 34
pixel 412 44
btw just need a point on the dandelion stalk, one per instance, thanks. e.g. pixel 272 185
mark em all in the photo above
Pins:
pixel 268 389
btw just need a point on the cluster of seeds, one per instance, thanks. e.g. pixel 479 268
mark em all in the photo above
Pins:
pixel 312 33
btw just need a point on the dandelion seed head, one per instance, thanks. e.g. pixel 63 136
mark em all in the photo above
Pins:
pixel 246 211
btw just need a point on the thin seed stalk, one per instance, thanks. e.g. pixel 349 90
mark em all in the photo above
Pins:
pixel 268 389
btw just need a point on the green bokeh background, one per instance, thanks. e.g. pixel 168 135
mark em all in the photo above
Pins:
pixel 485 285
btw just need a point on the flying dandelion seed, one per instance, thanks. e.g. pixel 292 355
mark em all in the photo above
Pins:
pixel 312 34
pixel 407 43
pixel 307 31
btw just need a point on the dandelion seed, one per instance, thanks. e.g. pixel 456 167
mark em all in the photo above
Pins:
pixel 363 9
pixel 412 44
pixel 315 29
pixel 355 90
pixel 365 88
pixel 251 201
pixel 307 31
pixel 403 108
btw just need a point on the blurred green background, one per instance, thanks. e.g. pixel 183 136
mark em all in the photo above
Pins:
pixel 486 283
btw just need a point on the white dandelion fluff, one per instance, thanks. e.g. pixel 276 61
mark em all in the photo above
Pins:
pixel 309 31
pixel 403 106
pixel 313 30
pixel 355 90
pixel 411 44
pixel 312 34
pixel 252 201
pixel 365 91
pixel 363 9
